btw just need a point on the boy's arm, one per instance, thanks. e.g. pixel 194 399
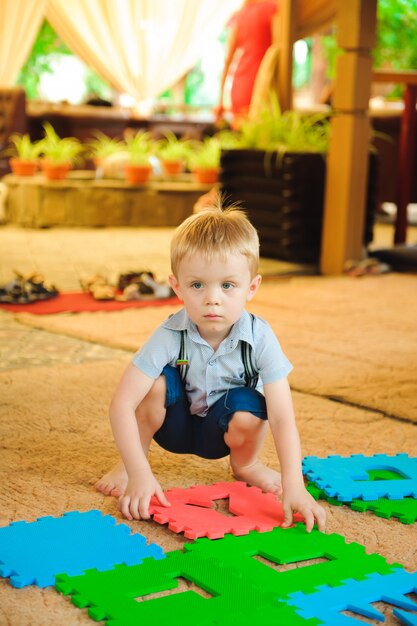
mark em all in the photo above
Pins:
pixel 142 485
pixel 287 443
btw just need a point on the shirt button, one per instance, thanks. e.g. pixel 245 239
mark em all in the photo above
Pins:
pixel 213 362
pixel 212 393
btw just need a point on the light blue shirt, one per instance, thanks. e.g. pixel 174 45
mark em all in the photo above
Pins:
pixel 212 373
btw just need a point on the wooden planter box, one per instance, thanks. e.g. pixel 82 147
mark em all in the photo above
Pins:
pixel 37 203
pixel 284 196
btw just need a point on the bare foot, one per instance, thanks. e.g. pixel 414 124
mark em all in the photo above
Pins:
pixel 114 482
pixel 259 475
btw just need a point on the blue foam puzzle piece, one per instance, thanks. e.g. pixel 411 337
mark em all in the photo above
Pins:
pixel 326 603
pixel 33 553
pixel 347 478
pixel 409 619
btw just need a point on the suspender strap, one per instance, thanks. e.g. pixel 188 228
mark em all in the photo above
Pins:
pixel 182 361
pixel 251 373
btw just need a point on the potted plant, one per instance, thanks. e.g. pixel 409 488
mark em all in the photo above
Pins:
pixel 173 153
pixel 59 154
pixel 204 160
pixel 139 149
pixel 277 170
pixel 24 153
pixel 101 146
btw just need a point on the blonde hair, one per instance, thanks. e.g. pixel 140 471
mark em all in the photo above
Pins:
pixel 216 232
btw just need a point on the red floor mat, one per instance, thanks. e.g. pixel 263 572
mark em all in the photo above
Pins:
pixel 80 302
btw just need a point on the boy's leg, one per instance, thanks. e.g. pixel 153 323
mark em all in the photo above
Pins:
pixel 245 436
pixel 150 416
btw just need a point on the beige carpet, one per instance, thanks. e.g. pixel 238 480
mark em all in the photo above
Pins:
pixel 56 441
pixel 348 339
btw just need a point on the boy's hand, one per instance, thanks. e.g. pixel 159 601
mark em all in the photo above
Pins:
pixel 134 503
pixel 296 498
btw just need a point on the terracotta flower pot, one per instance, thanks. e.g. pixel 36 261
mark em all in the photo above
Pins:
pixel 20 167
pixel 137 174
pixel 171 168
pixel 55 171
pixel 207 176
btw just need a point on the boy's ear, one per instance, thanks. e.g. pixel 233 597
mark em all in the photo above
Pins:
pixel 173 283
pixel 254 286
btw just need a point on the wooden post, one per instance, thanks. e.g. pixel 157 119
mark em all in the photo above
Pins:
pixel 347 163
pixel 406 162
pixel 287 21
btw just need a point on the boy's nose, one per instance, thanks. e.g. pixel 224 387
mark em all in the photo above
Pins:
pixel 212 296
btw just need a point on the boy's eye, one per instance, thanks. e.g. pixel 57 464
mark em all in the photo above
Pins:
pixel 197 285
pixel 227 286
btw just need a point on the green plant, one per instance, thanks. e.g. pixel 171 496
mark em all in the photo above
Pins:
pixel 291 131
pixel 206 153
pixel 23 148
pixel 139 147
pixel 59 150
pixel 173 148
pixel 102 146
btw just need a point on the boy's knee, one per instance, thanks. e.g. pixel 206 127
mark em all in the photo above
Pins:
pixel 243 420
pixel 245 425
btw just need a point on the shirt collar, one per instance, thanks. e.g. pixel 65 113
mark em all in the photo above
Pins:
pixel 241 330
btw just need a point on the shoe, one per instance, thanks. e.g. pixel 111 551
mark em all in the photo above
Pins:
pixel 132 277
pixel 25 289
pixel 365 267
pixel 99 287
pixel 143 286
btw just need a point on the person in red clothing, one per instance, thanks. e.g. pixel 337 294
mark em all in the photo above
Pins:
pixel 250 35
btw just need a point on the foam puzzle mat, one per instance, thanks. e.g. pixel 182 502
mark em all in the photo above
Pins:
pixel 327 603
pixel 32 553
pixel 232 574
pixel 404 510
pixel 120 595
pixel 347 478
pixel 191 510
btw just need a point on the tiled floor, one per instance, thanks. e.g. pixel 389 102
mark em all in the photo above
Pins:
pixel 63 255
pixel 22 347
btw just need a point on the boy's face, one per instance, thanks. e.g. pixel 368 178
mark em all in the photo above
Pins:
pixel 214 292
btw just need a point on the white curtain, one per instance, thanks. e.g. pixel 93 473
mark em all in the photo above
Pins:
pixel 142 47
pixel 20 21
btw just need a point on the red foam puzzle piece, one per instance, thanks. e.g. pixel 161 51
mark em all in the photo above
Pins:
pixel 191 510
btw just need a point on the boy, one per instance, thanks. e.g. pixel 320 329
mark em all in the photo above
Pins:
pixel 195 385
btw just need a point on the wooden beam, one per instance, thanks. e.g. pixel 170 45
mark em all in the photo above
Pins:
pixel 347 164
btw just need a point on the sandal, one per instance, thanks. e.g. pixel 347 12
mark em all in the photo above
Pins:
pixel 143 286
pixel 99 287
pixel 365 267
pixel 27 289
pixel 132 277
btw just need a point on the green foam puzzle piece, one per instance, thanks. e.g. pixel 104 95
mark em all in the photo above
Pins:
pixel 405 510
pixel 119 595
pixel 283 546
pixel 242 587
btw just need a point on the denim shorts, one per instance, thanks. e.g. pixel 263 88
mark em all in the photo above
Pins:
pixel 184 433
